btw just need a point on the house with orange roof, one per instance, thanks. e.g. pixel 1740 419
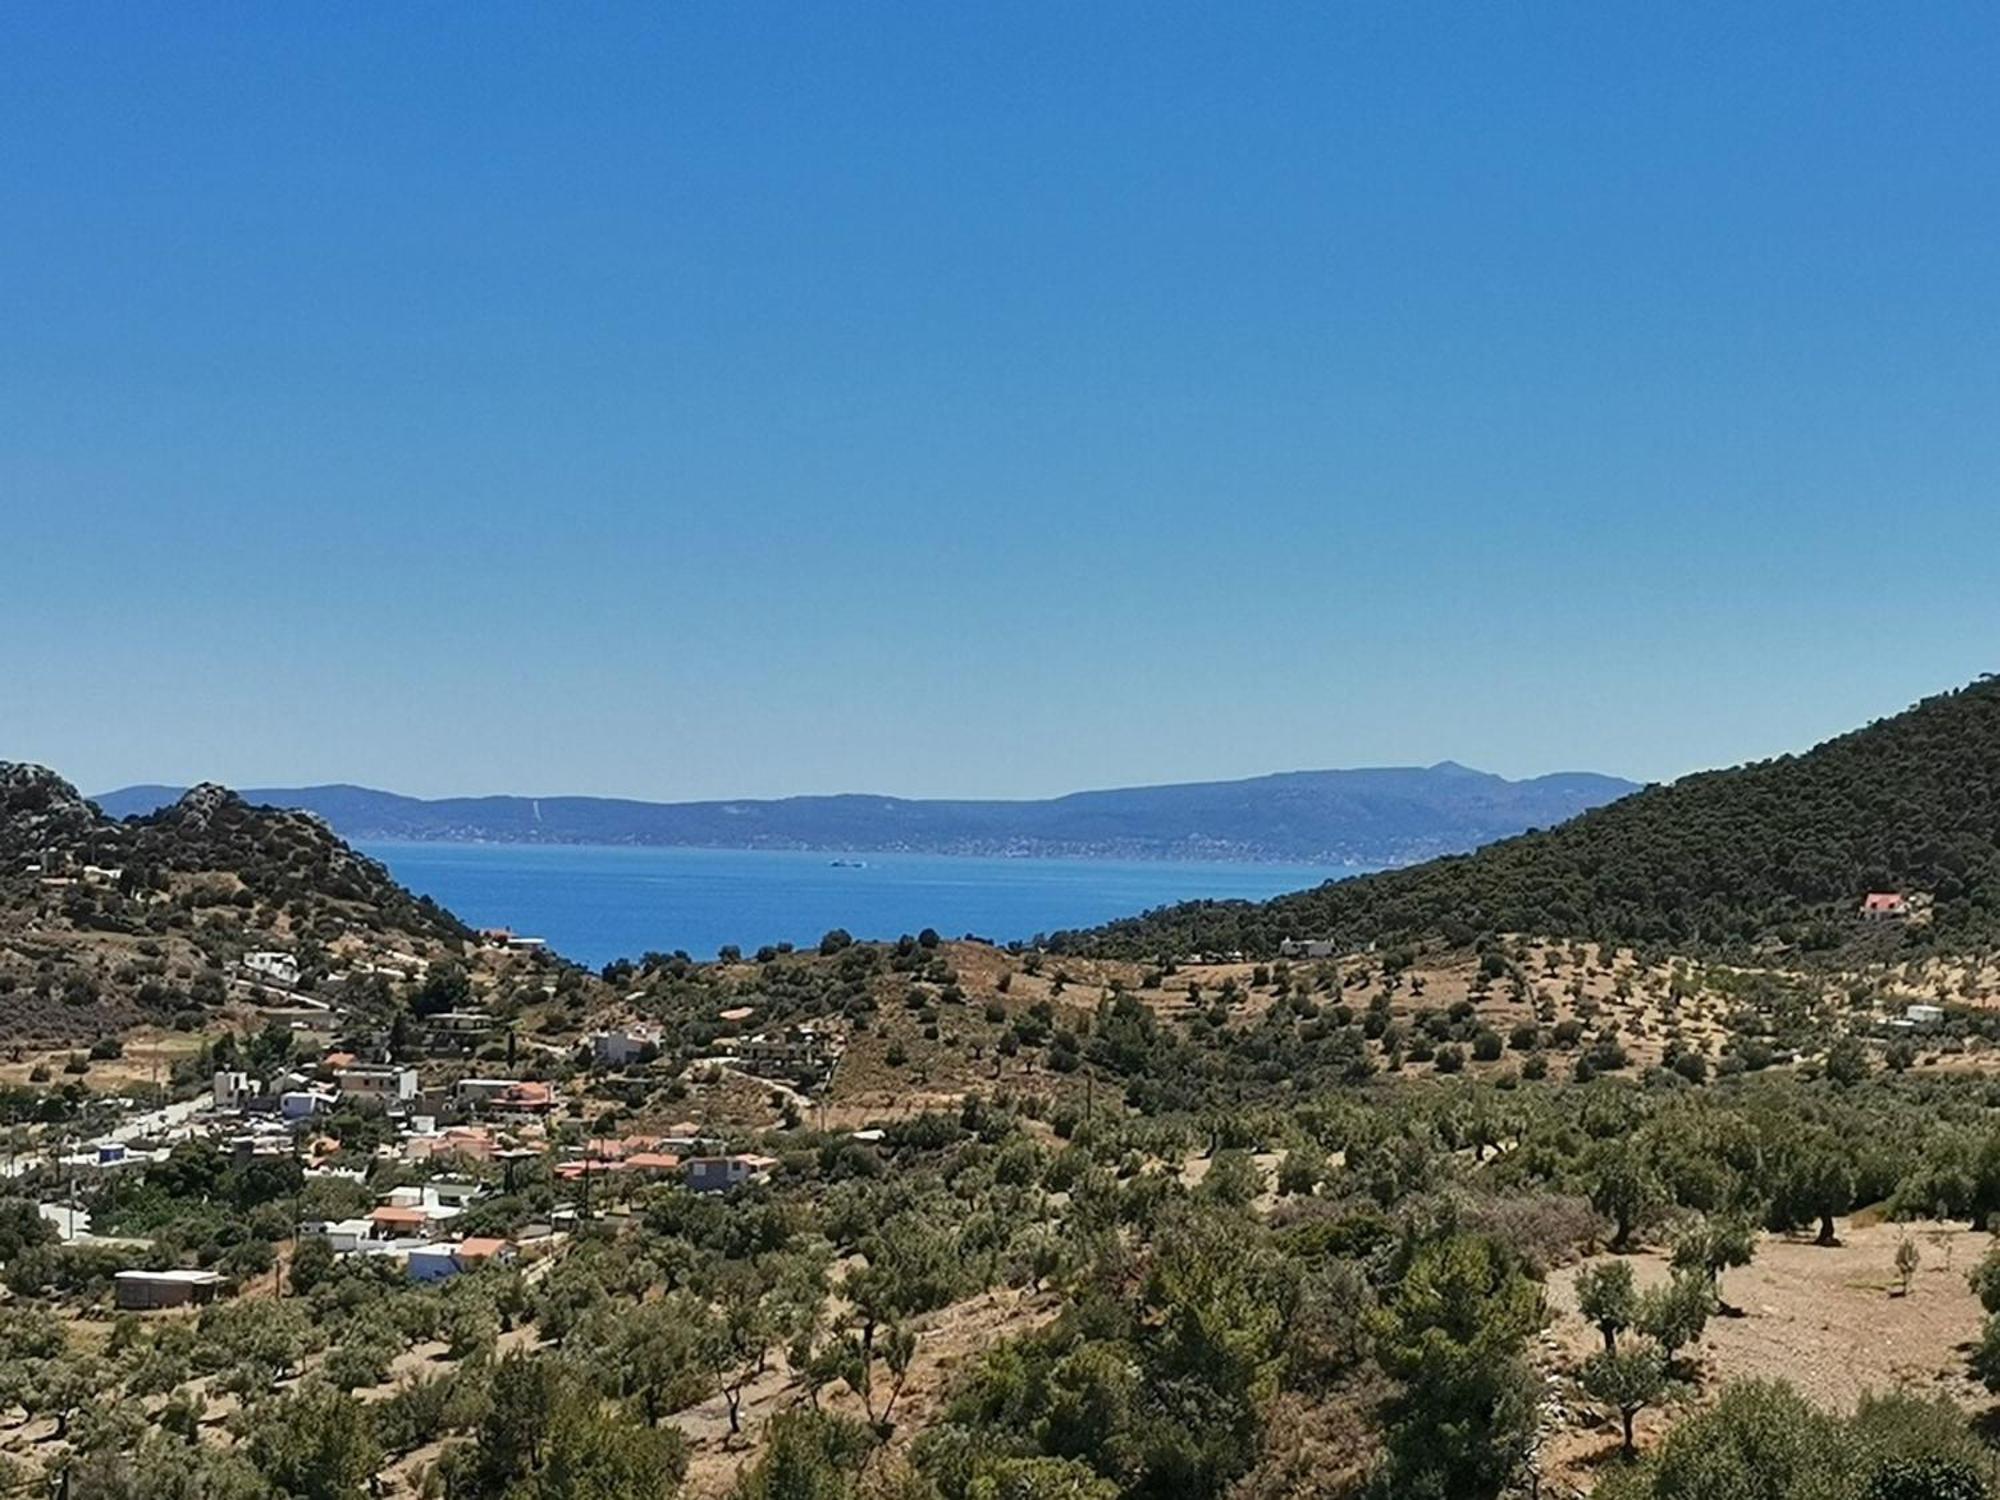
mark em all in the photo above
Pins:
pixel 468 1142
pixel 394 1221
pixel 506 1095
pixel 526 1099
pixel 570 1171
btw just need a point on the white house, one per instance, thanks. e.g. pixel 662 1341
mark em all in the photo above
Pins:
pixel 1924 1015
pixel 303 1104
pixel 475 1091
pixel 70 1221
pixel 344 1236
pixel 232 1089
pixel 272 968
pixel 1306 948
pixel 451 1192
pixel 377 1085
pixel 619 1048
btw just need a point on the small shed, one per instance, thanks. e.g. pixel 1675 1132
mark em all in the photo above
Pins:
pixel 149 1291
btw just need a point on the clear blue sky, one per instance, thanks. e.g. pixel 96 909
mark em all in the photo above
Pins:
pixel 686 400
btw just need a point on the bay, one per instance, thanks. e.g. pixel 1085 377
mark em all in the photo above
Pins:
pixel 596 904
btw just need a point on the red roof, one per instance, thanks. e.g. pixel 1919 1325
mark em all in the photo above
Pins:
pixel 653 1161
pixel 478 1248
pixel 614 1147
pixel 1884 901
pixel 390 1213
pixel 569 1171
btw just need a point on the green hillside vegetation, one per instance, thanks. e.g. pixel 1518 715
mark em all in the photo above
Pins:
pixel 1054 1228
pixel 1773 855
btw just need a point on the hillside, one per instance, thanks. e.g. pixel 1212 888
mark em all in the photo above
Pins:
pixel 1779 852
pixel 1372 817
pixel 107 924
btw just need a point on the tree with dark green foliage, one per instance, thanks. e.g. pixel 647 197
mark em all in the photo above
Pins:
pixel 1674 1313
pixel 808 1455
pixel 1623 1187
pixel 1847 1061
pixel 315 1444
pixel 1452 1334
pixel 1815 1183
pixel 1628 1381
pixel 1714 1245
pixel 547 1435
pixel 1763 1441
pixel 446 987
pixel 1930 1478
pixel 1608 1299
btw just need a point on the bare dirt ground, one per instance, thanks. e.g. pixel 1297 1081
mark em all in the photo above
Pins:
pixel 147 1063
pixel 1831 1320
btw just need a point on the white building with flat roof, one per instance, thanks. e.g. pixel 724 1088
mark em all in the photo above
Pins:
pixel 271 967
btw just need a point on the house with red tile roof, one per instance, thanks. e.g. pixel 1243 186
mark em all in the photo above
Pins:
pixel 394 1221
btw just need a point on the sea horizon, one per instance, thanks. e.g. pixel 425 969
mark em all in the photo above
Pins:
pixel 594 903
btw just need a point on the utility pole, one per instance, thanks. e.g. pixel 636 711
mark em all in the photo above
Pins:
pixel 278 1261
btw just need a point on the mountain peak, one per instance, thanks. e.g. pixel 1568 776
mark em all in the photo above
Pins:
pixel 39 808
pixel 203 801
pixel 1455 768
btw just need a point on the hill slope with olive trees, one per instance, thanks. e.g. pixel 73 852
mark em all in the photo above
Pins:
pixel 1776 854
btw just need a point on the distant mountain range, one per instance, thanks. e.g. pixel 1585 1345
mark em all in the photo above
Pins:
pixel 1385 816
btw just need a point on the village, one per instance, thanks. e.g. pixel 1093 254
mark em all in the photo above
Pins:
pixel 452 1132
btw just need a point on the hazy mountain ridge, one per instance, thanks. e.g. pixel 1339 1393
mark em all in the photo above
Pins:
pixel 1387 815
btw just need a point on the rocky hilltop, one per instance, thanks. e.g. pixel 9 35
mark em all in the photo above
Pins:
pixel 106 923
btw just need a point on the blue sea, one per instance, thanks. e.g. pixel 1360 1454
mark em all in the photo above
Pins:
pixel 596 904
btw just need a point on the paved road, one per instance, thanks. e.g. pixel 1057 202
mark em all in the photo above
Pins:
pixel 170 1120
